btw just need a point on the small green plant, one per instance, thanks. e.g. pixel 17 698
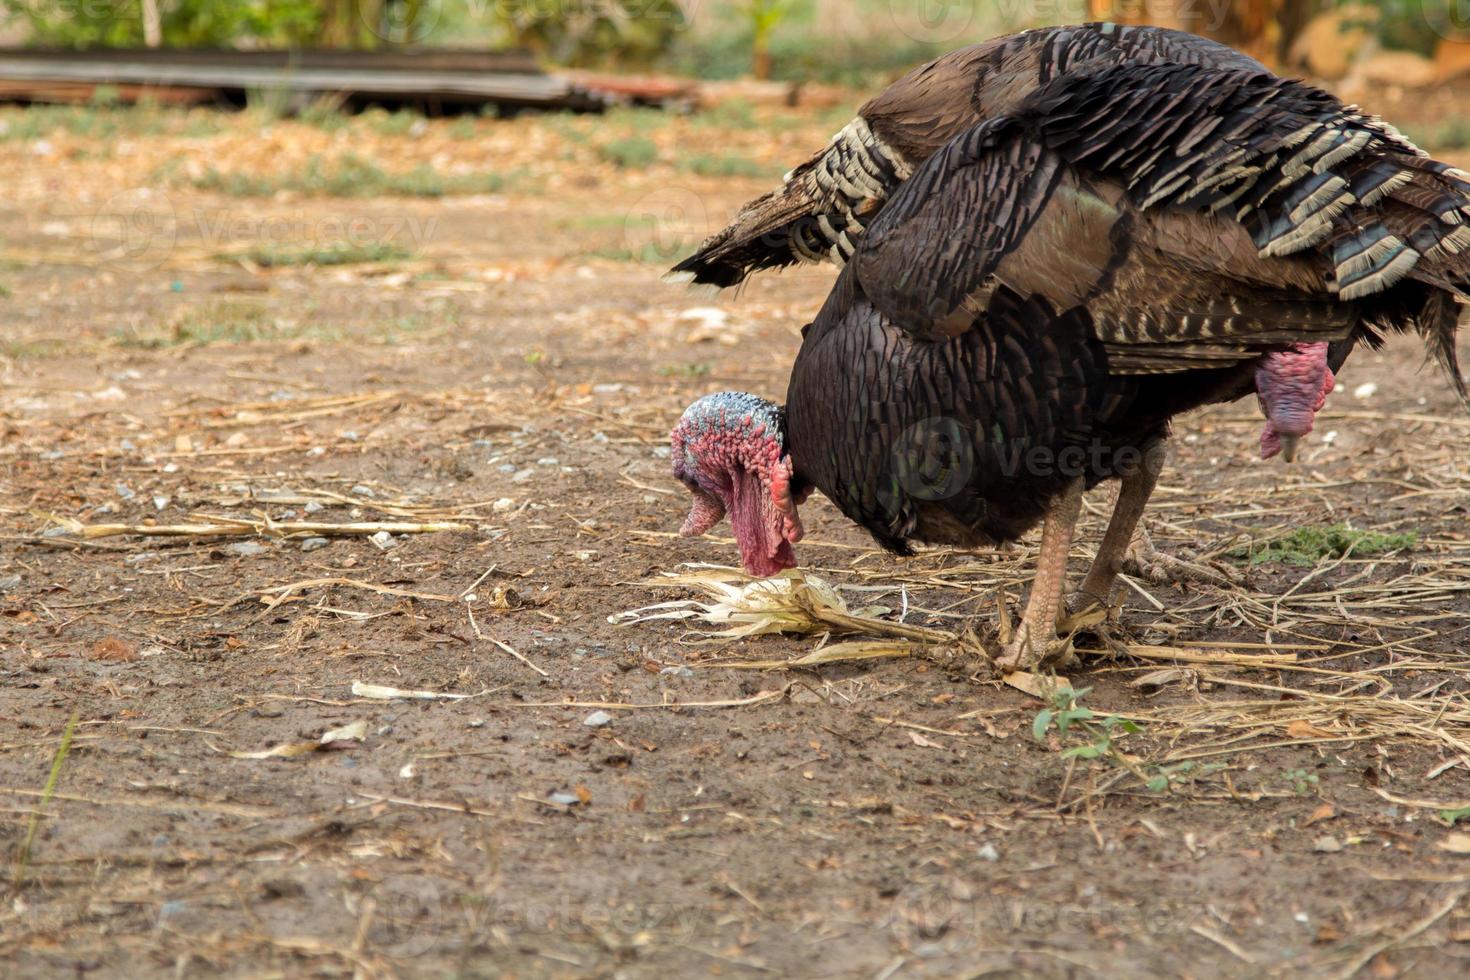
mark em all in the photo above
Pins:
pixel 1065 714
pixel 696 369
pixel 401 122
pixel 350 176
pixel 1306 546
pixel 270 256
pixel 651 253
pixel 630 153
pixel 724 165
pixel 23 855
pixel 1453 817
pixel 1302 781
pixel 1098 735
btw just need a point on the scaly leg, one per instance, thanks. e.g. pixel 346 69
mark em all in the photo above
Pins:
pixel 1124 529
pixel 1035 640
pixel 1126 546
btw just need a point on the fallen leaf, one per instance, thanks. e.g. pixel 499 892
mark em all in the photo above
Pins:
pixel 1327 844
pixel 922 742
pixel 1165 676
pixel 1324 812
pixel 1456 843
pixel 355 732
pixel 335 738
pixel 113 649
pixel 1305 729
pixel 1041 686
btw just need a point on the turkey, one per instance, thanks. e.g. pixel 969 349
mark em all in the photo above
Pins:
pixel 822 209
pixel 1043 294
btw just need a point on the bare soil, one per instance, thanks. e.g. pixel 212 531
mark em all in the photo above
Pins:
pixel 515 375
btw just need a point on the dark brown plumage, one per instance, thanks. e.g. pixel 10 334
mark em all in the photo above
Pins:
pixel 1123 246
pixel 821 209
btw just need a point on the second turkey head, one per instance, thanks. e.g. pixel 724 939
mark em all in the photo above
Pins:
pixel 729 449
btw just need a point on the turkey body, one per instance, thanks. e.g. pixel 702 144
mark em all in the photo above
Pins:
pixel 1038 299
pixel 966 441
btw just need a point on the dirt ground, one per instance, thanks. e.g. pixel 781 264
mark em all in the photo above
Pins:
pixel 511 366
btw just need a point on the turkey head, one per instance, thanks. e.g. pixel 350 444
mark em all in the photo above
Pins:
pixel 729 449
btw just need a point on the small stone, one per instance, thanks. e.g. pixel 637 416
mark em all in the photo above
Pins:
pixel 597 719
pixel 507 467
pixel 502 505
pixel 246 549
pixel 10 582
pixel 477 723
pixel 160 501
pixel 363 491
pixel 1365 390
pixel 1327 844
pixel 548 461
pixel 988 852
pixel 563 798
pixel 523 476
pixel 683 673
pixel 384 540
pixel 314 544
pixel 350 436
pixel 124 491
pixel 314 507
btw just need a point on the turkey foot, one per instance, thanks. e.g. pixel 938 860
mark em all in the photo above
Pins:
pixel 1035 640
pixel 1143 560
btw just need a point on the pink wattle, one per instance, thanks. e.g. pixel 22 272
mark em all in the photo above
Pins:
pixel 759 528
pixel 1292 386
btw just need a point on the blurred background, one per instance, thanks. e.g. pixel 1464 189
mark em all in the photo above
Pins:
pixel 368 261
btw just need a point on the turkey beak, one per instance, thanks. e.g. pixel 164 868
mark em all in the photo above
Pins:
pixel 706 511
pixel 1288 447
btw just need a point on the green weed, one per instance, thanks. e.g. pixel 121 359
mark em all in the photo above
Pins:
pixel 1306 546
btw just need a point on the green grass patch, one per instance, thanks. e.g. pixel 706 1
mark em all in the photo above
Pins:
pixel 1307 546
pixel 651 253
pixel 273 257
pixel 1446 134
pixel 724 165
pixel 350 176
pixel 23 350
pixel 23 853
pixel 102 121
pixel 244 322
pixel 694 369
pixel 630 153
pixel 226 322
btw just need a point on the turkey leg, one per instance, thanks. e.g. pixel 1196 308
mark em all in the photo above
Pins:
pixel 1126 546
pixel 1035 640
pixel 1120 542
